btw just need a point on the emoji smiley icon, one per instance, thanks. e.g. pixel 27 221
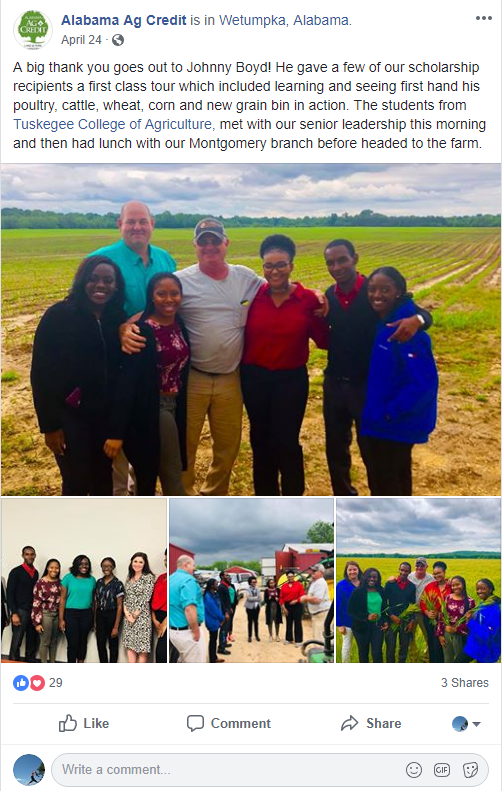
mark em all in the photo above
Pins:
pixel 413 770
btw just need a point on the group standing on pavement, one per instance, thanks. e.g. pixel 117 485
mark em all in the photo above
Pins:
pixel 189 609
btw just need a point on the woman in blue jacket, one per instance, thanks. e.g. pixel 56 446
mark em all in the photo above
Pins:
pixel 401 399
pixel 483 630
pixel 213 617
pixel 352 576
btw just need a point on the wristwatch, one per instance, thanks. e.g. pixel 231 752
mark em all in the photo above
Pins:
pixel 420 318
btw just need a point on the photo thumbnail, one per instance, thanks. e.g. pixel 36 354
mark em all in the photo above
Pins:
pixel 418 580
pixel 251 580
pixel 242 329
pixel 84 580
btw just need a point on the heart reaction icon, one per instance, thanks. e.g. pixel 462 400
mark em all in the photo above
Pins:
pixel 37 683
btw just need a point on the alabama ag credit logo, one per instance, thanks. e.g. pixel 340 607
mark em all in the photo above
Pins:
pixel 33 30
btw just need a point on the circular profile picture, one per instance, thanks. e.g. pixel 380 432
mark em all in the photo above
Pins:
pixel 29 770
pixel 459 724
pixel 33 30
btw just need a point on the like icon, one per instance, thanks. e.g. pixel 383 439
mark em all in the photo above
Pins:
pixel 37 683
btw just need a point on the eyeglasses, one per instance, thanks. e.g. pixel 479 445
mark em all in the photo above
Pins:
pixel 280 267
pixel 206 241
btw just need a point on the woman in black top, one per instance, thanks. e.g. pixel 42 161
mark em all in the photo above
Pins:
pixel 368 609
pixel 273 612
pixel 109 608
pixel 76 354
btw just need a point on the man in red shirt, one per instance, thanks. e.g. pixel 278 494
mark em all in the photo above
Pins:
pixel 290 601
pixel 430 604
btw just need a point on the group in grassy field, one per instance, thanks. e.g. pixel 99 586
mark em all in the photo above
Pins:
pixel 128 367
pixel 389 615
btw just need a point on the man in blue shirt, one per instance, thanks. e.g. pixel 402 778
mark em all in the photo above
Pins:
pixel 186 613
pixel 137 259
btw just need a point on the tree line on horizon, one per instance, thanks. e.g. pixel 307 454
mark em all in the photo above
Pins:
pixel 464 553
pixel 14 218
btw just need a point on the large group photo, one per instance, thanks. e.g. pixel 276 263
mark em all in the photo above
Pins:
pixel 84 581
pixel 251 330
pixel 251 580
pixel 418 580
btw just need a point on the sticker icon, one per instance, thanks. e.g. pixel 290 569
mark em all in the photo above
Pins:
pixel 470 769
pixel 33 30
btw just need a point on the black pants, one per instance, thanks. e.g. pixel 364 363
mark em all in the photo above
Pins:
pixel 105 621
pixel 390 467
pixel 253 621
pixel 294 622
pixel 27 629
pixel 84 467
pixel 371 637
pixel 161 648
pixel 213 641
pixel 436 655
pixel 343 406
pixel 275 402
pixel 78 625
pixel 391 642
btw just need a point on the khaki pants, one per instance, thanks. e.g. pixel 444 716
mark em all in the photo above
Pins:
pixel 123 476
pixel 220 399
pixel 318 625
pixel 188 649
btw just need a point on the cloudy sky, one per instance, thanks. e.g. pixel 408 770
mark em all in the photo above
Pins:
pixel 241 528
pixel 256 190
pixel 416 525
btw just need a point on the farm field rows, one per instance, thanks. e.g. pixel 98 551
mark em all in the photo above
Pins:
pixel 455 273
pixel 471 569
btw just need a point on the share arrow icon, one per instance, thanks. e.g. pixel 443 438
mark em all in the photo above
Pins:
pixel 350 723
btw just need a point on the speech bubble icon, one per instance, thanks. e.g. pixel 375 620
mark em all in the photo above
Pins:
pixel 195 722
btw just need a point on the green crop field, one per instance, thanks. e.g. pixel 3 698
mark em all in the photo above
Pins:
pixel 471 570
pixel 455 273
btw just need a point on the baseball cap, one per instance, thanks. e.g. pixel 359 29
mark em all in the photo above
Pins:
pixel 422 562
pixel 209 225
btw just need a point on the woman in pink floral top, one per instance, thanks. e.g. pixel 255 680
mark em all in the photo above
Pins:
pixel 450 633
pixel 149 414
pixel 45 608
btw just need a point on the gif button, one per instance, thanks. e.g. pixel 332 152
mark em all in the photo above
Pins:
pixel 442 770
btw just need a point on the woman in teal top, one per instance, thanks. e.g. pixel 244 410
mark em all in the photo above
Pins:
pixel 75 607
pixel 367 607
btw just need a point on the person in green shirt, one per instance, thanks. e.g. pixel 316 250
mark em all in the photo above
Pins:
pixel 368 607
pixel 75 607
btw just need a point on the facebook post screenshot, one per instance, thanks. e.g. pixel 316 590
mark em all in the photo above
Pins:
pixel 242 243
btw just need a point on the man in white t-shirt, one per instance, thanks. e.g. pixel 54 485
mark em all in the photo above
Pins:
pixel 216 299
pixel 318 601
pixel 420 579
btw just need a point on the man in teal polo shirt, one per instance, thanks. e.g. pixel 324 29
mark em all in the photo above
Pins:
pixel 137 259
pixel 186 613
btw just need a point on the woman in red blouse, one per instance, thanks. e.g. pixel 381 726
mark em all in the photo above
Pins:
pixel 45 609
pixel 274 375
pixel 290 600
pixel 451 634
pixel 149 412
